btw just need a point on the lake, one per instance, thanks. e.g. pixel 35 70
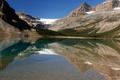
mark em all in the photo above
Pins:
pixel 59 59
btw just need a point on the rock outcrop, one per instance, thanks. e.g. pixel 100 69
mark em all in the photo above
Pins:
pixel 80 11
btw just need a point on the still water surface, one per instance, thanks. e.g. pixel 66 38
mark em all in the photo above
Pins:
pixel 60 59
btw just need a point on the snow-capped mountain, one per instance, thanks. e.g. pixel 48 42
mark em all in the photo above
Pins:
pixel 48 21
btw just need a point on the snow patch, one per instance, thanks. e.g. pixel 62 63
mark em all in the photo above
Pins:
pixel 89 63
pixel 48 21
pixel 116 69
pixel 106 2
pixel 117 8
pixel 90 12
pixel 46 52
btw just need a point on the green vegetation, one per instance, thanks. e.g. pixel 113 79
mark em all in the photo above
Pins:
pixel 46 32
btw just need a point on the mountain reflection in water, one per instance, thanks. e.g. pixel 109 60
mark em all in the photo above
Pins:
pixel 61 59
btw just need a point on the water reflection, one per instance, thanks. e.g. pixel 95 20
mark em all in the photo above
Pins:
pixel 71 59
pixel 99 55
pixel 8 54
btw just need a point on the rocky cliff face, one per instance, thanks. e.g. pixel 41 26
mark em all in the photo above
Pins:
pixel 8 15
pixel 81 10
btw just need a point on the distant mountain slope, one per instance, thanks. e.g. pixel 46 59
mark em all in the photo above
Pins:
pixel 98 24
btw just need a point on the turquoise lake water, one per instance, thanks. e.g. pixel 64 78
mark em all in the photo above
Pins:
pixel 60 59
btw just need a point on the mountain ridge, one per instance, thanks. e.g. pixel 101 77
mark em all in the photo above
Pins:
pixel 81 10
pixel 85 21
pixel 97 24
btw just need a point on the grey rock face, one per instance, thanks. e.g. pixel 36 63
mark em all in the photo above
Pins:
pixel 81 10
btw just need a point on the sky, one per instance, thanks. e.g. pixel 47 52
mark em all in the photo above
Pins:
pixel 48 8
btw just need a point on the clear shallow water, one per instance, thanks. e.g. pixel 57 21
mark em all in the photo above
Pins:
pixel 60 59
